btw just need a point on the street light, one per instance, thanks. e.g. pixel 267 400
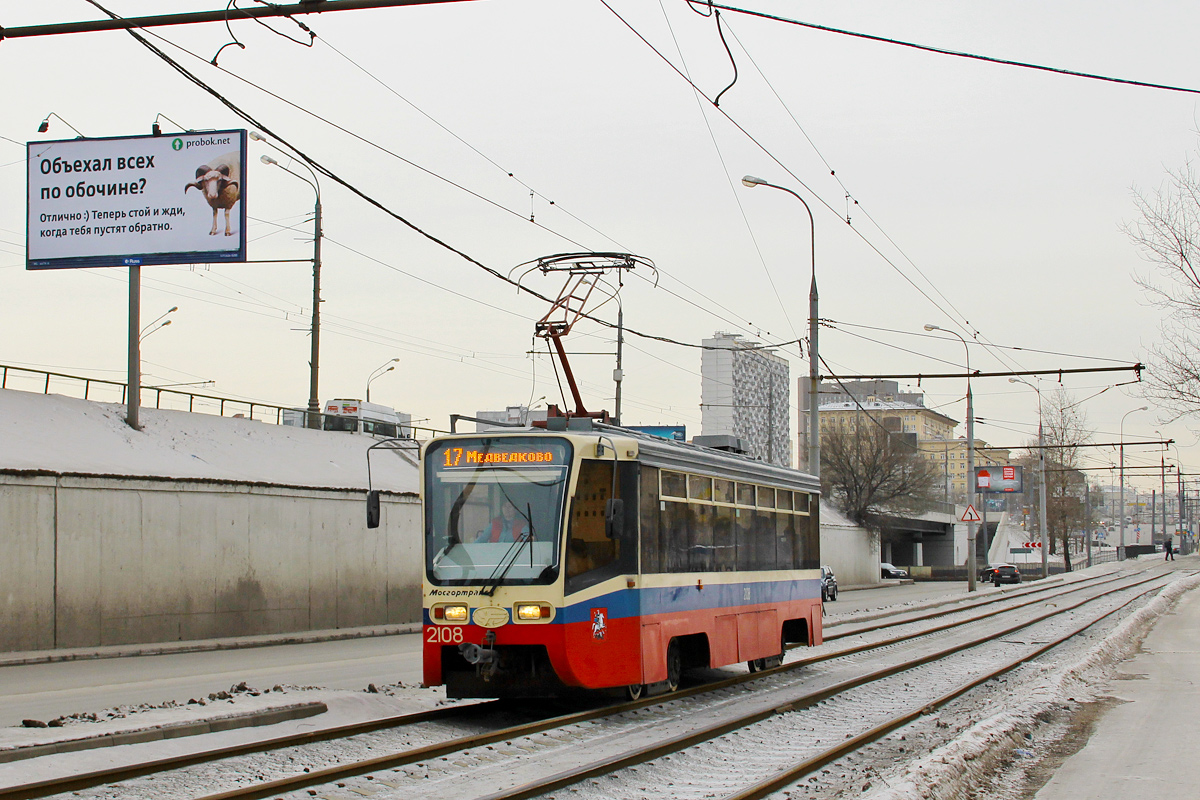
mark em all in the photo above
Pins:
pixel 314 403
pixel 146 331
pixel 971 566
pixel 814 437
pixel 379 372
pixel 45 126
pixel 1042 469
pixel 1121 549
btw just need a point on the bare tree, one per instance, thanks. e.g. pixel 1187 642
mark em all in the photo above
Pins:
pixel 1168 234
pixel 868 470
pixel 1064 427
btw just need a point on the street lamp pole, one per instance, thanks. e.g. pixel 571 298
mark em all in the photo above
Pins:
pixel 379 372
pixel 970 459
pixel 1042 489
pixel 814 431
pixel 1121 549
pixel 314 368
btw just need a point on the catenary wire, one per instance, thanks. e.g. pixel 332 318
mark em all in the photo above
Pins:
pixel 956 53
pixel 401 158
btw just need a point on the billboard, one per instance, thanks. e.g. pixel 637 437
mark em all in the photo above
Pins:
pixel 133 200
pixel 676 432
pixel 998 480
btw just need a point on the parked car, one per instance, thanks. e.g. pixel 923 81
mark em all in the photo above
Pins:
pixel 892 572
pixel 1000 573
pixel 828 584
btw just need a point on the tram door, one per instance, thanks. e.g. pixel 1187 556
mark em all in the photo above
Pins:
pixel 603 637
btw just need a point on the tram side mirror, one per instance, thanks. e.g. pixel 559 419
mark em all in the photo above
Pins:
pixel 614 518
pixel 373 508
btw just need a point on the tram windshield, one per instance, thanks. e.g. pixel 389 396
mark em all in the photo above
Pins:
pixel 493 509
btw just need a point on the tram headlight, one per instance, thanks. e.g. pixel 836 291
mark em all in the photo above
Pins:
pixel 530 612
pixel 455 613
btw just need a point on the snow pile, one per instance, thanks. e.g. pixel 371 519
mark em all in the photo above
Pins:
pixel 57 434
pixel 951 771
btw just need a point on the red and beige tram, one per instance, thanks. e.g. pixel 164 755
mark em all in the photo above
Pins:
pixel 599 558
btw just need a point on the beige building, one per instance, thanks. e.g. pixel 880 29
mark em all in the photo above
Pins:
pixel 951 457
pixel 930 431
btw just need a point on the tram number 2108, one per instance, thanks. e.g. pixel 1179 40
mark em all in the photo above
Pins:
pixel 437 634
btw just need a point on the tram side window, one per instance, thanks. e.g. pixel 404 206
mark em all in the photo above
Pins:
pixel 724 542
pixel 785 540
pixel 808 530
pixel 674 484
pixel 675 536
pixel 764 539
pixel 651 553
pixel 743 526
pixel 700 553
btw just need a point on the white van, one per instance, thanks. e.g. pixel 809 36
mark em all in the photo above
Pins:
pixel 356 416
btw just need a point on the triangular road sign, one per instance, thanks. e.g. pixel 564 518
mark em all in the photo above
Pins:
pixel 970 515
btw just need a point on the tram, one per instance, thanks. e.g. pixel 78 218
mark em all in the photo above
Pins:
pixel 591 557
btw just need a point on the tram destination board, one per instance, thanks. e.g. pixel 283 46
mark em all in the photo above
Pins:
pixel 483 455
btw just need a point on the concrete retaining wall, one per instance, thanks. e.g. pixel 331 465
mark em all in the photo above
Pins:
pixel 852 552
pixel 90 561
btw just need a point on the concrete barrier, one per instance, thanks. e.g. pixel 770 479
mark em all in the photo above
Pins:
pixel 89 561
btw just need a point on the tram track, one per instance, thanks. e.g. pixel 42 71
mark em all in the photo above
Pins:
pixel 445 749
pixel 641 755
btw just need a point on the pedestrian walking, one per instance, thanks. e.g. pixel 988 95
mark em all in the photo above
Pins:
pixel 1170 556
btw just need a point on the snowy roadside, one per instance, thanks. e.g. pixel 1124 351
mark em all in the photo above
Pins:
pixel 964 764
pixel 220 719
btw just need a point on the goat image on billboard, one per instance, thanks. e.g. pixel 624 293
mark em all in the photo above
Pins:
pixel 133 200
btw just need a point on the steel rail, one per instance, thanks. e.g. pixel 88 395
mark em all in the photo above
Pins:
pixel 868 627
pixel 50 787
pixel 87 780
pixel 331 774
pixel 675 744
pixel 803 768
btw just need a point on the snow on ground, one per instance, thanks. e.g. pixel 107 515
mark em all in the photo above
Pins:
pixel 953 770
pixel 58 434
pixel 344 708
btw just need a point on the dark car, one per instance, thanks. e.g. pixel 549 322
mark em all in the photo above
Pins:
pixel 828 584
pixel 892 572
pixel 1000 573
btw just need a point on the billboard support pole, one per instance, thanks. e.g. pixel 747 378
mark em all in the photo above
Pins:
pixel 133 392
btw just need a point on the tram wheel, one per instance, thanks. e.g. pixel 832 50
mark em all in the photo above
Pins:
pixel 674 666
pixel 634 691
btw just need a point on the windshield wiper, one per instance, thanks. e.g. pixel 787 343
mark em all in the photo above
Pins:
pixel 494 580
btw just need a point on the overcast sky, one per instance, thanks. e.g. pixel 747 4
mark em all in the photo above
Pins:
pixel 979 192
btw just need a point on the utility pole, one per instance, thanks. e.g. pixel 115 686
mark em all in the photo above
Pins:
pixel 133 391
pixel 314 402
pixel 1087 518
pixel 618 373
pixel 1042 512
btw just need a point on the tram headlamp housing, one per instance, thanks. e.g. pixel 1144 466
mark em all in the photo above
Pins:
pixel 453 613
pixel 532 612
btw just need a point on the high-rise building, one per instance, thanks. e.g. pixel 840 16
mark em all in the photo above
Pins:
pixel 745 392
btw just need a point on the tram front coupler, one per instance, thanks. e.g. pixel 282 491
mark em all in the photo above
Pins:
pixel 485 657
